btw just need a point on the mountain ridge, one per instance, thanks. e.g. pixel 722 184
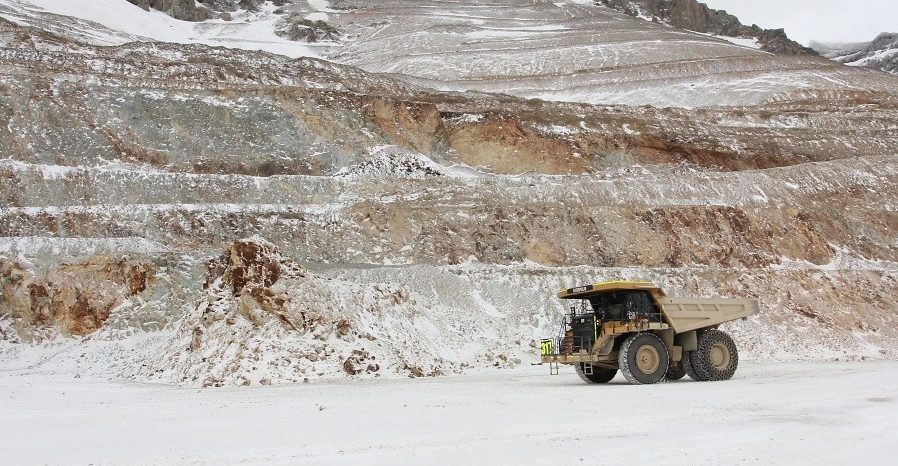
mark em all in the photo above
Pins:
pixel 880 53
pixel 695 16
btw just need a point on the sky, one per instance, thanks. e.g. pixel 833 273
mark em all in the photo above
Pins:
pixel 820 20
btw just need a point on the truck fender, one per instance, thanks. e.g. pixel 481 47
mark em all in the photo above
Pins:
pixel 687 340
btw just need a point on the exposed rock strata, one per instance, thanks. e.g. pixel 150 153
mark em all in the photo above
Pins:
pixel 576 51
pixel 220 112
pixel 452 221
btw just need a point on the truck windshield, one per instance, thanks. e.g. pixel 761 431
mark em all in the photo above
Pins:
pixel 623 305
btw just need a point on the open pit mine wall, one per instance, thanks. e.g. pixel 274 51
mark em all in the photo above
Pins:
pixel 813 242
pixel 125 175
pixel 202 110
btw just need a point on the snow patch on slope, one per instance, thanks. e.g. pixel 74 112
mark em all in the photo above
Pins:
pixel 115 22
pixel 878 56
pixel 396 162
pixel 750 42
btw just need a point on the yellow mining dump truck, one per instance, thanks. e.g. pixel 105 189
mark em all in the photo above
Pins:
pixel 649 336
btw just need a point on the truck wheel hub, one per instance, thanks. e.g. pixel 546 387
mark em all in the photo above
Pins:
pixel 720 356
pixel 647 359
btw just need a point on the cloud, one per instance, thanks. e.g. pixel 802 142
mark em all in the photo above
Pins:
pixel 821 20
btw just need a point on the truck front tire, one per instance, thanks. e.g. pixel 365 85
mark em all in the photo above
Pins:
pixel 643 359
pixel 599 374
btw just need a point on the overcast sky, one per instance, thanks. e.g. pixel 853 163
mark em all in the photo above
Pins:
pixel 820 20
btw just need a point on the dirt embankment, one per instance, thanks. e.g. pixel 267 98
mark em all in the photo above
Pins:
pixel 75 298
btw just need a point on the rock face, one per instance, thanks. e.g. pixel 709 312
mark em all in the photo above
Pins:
pixel 158 199
pixel 145 4
pixel 75 298
pixel 185 10
pixel 695 16
pixel 297 28
pixel 881 54
pixel 215 114
pixel 188 10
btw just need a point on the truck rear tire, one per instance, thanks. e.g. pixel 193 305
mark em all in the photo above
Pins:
pixel 676 373
pixel 687 365
pixel 716 357
pixel 643 359
pixel 599 374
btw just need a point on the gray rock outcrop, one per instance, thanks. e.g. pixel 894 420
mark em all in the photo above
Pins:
pixel 297 28
pixel 145 4
pixel 201 10
pixel 695 16
pixel 186 10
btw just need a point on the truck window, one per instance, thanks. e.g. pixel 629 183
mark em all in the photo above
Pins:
pixel 619 305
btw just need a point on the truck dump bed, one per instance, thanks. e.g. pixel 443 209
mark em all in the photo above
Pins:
pixel 685 314
pixel 682 314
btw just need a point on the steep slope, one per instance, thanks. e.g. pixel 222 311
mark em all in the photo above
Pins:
pixel 212 110
pixel 564 51
pixel 575 51
pixel 376 228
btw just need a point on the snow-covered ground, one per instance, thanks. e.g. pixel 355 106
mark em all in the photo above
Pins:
pixel 115 22
pixel 795 414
